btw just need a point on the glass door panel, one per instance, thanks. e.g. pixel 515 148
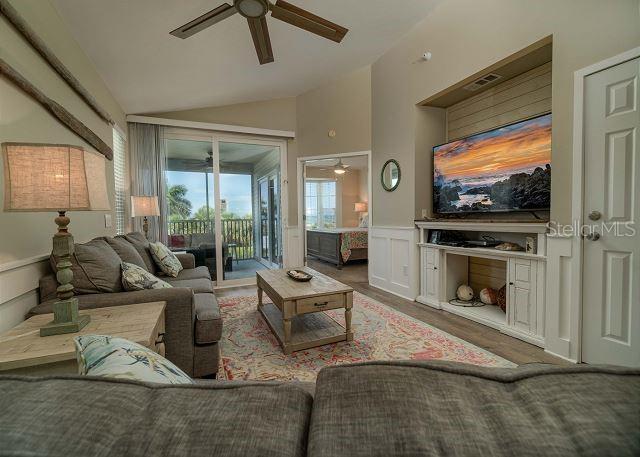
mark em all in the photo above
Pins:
pixel 247 204
pixel 190 200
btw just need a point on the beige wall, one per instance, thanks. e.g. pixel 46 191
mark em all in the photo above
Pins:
pixel 26 235
pixel 464 37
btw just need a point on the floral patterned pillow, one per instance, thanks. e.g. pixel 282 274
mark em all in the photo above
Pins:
pixel 165 259
pixel 137 278
pixel 111 357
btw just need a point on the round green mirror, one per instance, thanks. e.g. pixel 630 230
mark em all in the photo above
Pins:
pixel 390 175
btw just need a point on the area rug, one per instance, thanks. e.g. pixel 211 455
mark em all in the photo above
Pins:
pixel 250 351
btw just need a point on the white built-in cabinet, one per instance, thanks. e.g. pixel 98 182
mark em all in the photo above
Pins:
pixel 444 268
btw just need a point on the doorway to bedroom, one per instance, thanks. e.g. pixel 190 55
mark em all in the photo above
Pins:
pixel 334 211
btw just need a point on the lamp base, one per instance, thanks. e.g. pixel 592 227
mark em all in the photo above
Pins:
pixel 66 319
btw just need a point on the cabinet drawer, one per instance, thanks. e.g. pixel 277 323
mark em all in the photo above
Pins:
pixel 322 303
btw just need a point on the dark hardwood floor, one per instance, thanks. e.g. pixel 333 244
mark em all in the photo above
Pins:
pixel 355 275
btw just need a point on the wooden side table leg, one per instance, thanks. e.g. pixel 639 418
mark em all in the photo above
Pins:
pixel 259 296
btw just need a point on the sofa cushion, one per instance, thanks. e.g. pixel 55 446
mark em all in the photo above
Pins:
pixel 125 251
pixel 208 319
pixel 76 417
pixel 110 357
pixel 165 260
pixel 440 408
pixel 95 267
pixel 137 278
pixel 141 244
pixel 201 272
pixel 199 286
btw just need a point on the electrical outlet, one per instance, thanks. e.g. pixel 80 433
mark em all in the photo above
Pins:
pixel 405 270
pixel 107 221
pixel 424 213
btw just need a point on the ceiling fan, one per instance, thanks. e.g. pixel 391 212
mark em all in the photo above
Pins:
pixel 256 11
pixel 202 165
pixel 339 168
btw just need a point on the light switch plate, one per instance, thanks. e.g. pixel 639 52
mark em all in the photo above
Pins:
pixel 107 220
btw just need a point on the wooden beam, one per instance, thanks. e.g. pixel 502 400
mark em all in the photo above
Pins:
pixel 41 48
pixel 64 116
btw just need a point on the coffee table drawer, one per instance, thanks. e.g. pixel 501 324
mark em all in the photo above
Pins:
pixel 321 303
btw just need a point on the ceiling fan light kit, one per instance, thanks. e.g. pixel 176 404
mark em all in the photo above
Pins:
pixel 255 11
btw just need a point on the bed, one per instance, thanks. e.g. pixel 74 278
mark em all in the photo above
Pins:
pixel 339 245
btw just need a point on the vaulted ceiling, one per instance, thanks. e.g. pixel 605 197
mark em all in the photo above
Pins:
pixel 149 70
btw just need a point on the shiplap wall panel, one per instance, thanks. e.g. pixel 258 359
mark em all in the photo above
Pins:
pixel 524 96
pixel 486 273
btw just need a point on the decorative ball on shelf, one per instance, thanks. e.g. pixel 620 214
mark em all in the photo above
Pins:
pixel 502 298
pixel 465 293
pixel 488 296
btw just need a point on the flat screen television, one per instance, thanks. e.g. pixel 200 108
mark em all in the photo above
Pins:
pixel 501 170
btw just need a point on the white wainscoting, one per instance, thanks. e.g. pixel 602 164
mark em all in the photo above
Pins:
pixel 562 323
pixel 293 255
pixel 394 260
pixel 19 288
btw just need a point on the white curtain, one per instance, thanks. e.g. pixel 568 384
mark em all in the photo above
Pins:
pixel 148 162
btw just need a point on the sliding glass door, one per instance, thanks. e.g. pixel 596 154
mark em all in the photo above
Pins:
pixel 224 203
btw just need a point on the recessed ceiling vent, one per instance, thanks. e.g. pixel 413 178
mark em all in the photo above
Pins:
pixel 481 82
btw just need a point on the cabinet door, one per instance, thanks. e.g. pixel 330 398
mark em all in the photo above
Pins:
pixel 522 295
pixel 433 275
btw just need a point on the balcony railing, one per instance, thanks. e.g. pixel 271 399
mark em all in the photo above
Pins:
pixel 236 233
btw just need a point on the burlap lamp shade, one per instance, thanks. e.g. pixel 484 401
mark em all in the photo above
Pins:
pixel 41 177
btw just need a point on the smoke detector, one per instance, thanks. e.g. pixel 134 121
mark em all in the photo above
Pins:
pixel 483 81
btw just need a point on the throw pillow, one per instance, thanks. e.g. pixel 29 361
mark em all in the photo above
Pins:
pixel 141 244
pixel 165 259
pixel 95 266
pixel 111 357
pixel 125 251
pixel 136 278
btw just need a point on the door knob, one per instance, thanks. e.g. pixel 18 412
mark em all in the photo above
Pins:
pixel 595 215
pixel 594 236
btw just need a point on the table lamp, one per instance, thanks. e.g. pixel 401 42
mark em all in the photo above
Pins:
pixel 43 178
pixel 361 207
pixel 144 206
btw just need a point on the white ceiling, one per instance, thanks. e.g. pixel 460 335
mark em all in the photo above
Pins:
pixel 148 70
pixel 356 162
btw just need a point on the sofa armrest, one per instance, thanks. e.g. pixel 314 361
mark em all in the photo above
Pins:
pixel 188 261
pixel 179 317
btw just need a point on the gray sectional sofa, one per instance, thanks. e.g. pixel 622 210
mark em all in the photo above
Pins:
pixel 193 324
pixel 374 409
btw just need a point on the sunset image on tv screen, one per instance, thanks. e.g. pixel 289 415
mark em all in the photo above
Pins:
pixel 506 169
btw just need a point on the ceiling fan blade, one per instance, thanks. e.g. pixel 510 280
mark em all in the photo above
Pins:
pixel 305 20
pixel 261 39
pixel 206 20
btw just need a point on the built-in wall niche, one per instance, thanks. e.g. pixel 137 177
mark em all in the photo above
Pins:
pixel 478 273
pixel 521 239
pixel 515 89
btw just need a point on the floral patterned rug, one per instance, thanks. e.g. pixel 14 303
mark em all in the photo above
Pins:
pixel 250 351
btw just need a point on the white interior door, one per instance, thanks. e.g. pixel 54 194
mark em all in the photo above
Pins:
pixel 611 268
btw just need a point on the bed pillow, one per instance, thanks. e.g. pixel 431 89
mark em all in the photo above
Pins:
pixel 137 278
pixel 165 259
pixel 111 357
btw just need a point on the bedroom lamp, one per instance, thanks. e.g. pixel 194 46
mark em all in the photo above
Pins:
pixel 44 178
pixel 143 206
pixel 361 208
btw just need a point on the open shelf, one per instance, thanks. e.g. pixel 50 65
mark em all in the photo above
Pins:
pixel 489 315
pixel 489 252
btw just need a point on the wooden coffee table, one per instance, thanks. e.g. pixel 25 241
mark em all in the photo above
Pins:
pixel 24 351
pixel 296 316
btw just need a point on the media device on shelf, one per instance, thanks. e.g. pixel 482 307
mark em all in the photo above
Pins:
pixel 502 170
